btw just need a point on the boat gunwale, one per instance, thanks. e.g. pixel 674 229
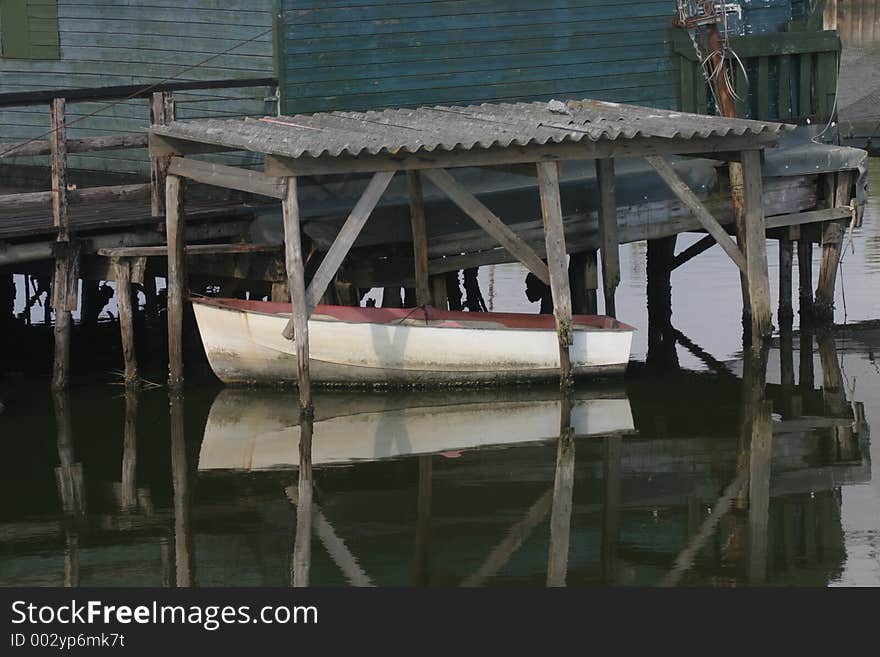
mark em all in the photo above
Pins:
pixel 578 321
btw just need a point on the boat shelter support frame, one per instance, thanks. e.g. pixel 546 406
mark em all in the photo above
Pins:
pixel 425 143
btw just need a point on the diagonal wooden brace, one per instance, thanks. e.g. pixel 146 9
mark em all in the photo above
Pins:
pixel 487 220
pixel 692 203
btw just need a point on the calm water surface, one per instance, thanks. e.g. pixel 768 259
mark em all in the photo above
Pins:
pixel 717 475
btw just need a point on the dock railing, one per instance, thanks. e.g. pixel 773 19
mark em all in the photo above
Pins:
pixel 54 142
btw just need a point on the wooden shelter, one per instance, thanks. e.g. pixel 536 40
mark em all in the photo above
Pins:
pixel 428 141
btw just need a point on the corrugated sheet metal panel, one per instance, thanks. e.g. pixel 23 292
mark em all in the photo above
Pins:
pixel 358 55
pixel 455 128
pixel 124 42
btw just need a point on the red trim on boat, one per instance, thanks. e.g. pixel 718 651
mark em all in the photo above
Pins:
pixel 358 315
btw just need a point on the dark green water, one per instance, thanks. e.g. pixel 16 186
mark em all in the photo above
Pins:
pixel 669 479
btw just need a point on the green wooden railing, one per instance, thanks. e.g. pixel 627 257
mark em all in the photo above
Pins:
pixel 792 76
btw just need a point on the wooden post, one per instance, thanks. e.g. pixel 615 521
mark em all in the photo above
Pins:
pixel 438 291
pixel 420 237
pixel 608 242
pixel 161 113
pixel 302 543
pixel 176 240
pixel 61 283
pixel 583 279
pixel 786 313
pixel 391 297
pixel 805 276
pixel 554 238
pixel 296 282
pixel 563 491
pixel 422 573
pixel 756 247
pixel 832 244
pixel 122 271
pixel 661 335
pixel 184 557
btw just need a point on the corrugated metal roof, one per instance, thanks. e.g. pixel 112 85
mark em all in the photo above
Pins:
pixel 453 128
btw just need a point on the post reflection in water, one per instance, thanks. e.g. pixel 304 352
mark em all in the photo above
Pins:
pixel 302 543
pixel 707 479
pixel 71 487
pixel 563 490
pixel 184 552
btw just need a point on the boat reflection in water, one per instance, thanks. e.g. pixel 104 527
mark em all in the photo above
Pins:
pixel 696 478
pixel 252 430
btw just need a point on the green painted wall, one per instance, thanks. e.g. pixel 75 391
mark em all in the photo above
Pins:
pixel 363 54
pixel 108 42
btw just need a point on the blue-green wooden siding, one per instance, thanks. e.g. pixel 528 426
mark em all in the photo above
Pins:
pixel 365 54
pixel 108 42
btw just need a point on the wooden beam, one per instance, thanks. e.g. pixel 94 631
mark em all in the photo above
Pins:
pixel 86 145
pixel 690 200
pixel 756 247
pixel 419 236
pixel 277 165
pixel 176 241
pixel 122 270
pixel 487 220
pixel 608 240
pixel 191 249
pixel 703 244
pixel 297 285
pixel 554 238
pixel 227 177
pixel 28 200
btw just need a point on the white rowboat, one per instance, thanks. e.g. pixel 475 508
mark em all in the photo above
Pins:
pixel 402 346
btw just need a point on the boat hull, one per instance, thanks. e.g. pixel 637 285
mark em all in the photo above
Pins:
pixel 244 345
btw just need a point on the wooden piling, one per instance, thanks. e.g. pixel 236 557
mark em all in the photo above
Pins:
pixel 554 239
pixel 122 272
pixel 660 257
pixel 583 278
pixel 805 276
pixel 832 245
pixel 420 237
pixel 438 291
pixel 786 312
pixel 176 240
pixel 759 491
pixel 756 247
pixel 64 265
pixel 608 240
pixel 296 282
